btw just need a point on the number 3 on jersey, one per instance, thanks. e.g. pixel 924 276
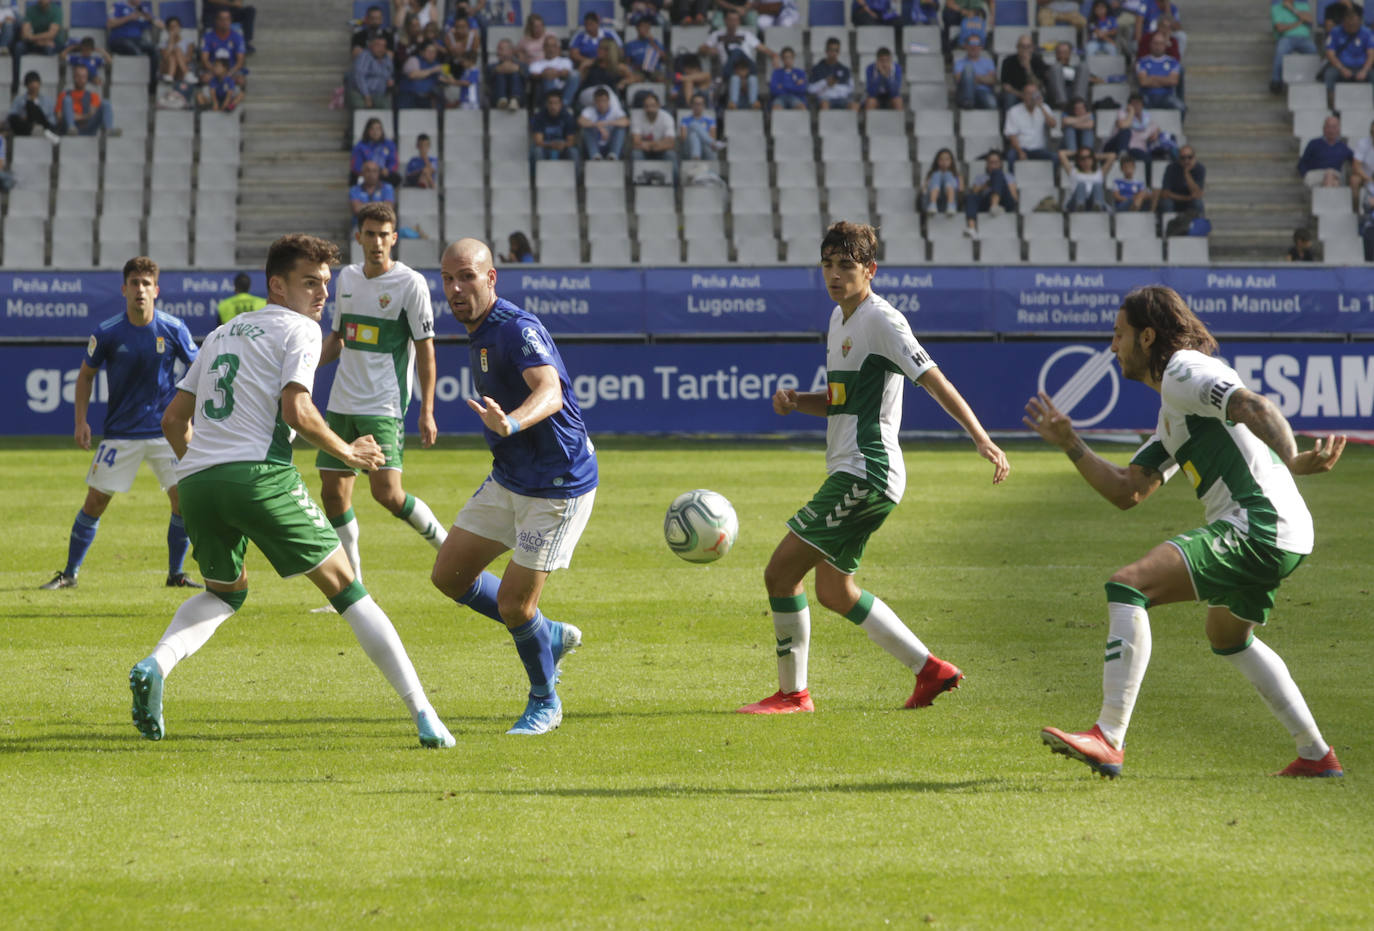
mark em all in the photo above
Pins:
pixel 226 366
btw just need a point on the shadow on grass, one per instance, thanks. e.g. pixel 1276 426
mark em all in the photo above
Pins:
pixel 678 790
pixel 61 614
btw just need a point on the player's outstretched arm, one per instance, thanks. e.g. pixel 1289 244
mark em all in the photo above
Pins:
pixel 301 415
pixel 545 400
pixel 1124 486
pixel 176 421
pixel 787 400
pixel 943 391
pixel 1267 422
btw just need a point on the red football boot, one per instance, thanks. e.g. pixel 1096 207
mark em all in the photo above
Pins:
pixel 936 676
pixel 781 703
pixel 1090 747
pixel 1327 766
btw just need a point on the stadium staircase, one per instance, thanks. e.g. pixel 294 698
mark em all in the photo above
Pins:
pixel 1242 133
pixel 294 175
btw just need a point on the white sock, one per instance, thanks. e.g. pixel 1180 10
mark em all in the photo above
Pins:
pixel 193 624
pixel 422 519
pixel 1123 668
pixel 792 627
pixel 348 536
pixel 886 629
pixel 379 640
pixel 1269 674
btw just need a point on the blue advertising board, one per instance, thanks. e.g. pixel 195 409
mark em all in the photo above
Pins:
pixel 1012 300
pixel 726 388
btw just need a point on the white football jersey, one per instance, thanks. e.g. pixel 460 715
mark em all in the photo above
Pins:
pixel 1235 474
pixel 238 379
pixel 378 318
pixel 866 358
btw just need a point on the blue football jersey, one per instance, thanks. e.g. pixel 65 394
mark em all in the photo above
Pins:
pixel 553 458
pixel 140 364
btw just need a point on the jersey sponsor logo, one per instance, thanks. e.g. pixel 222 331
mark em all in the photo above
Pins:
pixel 1217 392
pixel 161 345
pixel 361 333
pixel 531 541
pixel 90 345
pixel 483 358
pixel 384 301
pixel 847 345
pixel 834 394
pixel 1190 470
pixel 1081 382
pixel 534 345
pixel 920 358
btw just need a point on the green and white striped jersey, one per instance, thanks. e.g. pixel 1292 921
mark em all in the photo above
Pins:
pixel 1238 478
pixel 238 378
pixel 866 358
pixel 378 318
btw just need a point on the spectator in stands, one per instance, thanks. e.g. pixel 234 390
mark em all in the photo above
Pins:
pixel 645 54
pixel 874 13
pixel 883 83
pixel 506 78
pixel 1085 179
pixel 1136 134
pixel 1301 250
pixel 607 69
pixel 832 83
pixel 424 11
pixel 375 147
pixel 371 26
pixel 1185 183
pixel 1067 78
pixel 690 79
pixel 81 109
pixel 653 136
pixel 530 48
pixel 239 12
pixel 371 189
pixel 1101 30
pixel 6 178
pixel 41 33
pixel 1333 16
pixel 372 77
pixel 1171 43
pixel 583 46
pixel 176 52
pixel 689 12
pixel 943 185
pixel 1080 126
pixel 221 92
pixel 603 126
pixel 423 80
pixel 1127 193
pixel 787 85
pixel 975 78
pixel 994 191
pixel 1158 75
pixel 652 10
pixel 460 37
pixel 1362 165
pixel 697 130
pixel 1325 158
pixel 742 88
pixel 1366 227
pixel 462 82
pixel 9 20
pixel 970 17
pixel 1157 17
pixel 409 40
pixel 33 110
pixel 93 59
pixel 1020 70
pixel 1059 13
pixel 1292 21
pixel 131 30
pixel 223 43
pixel 1026 128
pixel 520 250
pixel 422 170
pixel 732 43
pixel 553 131
pixel 720 11
pixel 778 13
pixel 555 72
pixel 1349 51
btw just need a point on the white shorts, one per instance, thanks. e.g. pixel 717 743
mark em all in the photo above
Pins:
pixel 116 463
pixel 541 532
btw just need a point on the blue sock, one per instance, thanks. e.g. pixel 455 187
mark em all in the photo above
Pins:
pixel 177 544
pixel 533 643
pixel 482 596
pixel 83 535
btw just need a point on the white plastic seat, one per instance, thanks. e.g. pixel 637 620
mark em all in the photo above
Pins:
pixel 1330 201
pixel 1095 251
pixel 703 226
pixel 707 252
pixel 29 203
pixel 73 242
pixel 1047 251
pixel 73 202
pixel 1034 173
pixel 947 250
pixel 999 250
pixel 1343 251
pixel 167 248
pixel 1042 226
pixel 214 253
pixel 606 224
pixel 1135 225
pixel 23 240
pixel 756 250
pixel 610 250
pixel 1089 226
pixel 884 123
pixel 660 250
pixel 848 203
pixel 703 199
pixel 1186 250
pixel 654 200
pixel 1142 251
pixel 903 248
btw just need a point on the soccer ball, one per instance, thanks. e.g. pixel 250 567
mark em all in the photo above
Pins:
pixel 700 526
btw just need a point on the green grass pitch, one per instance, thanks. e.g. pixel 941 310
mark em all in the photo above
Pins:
pixel 291 792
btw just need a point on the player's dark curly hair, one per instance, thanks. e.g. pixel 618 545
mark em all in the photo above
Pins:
pixel 140 265
pixel 283 254
pixel 378 211
pixel 857 241
pixel 1176 326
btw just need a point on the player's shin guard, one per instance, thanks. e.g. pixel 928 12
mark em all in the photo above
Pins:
pixel 792 628
pixel 416 513
pixel 534 643
pixel 1127 656
pixel 481 597
pixel 1269 674
pixel 346 526
pixel 886 629
pixel 83 535
pixel 195 623
pixel 379 640
pixel 177 544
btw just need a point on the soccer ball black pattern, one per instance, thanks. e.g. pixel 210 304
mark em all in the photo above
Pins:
pixel 700 526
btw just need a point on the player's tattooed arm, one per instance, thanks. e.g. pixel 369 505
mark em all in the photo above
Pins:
pixel 1124 486
pixel 1267 422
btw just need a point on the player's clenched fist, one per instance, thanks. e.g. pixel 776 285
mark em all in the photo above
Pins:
pixel 364 453
pixel 784 401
